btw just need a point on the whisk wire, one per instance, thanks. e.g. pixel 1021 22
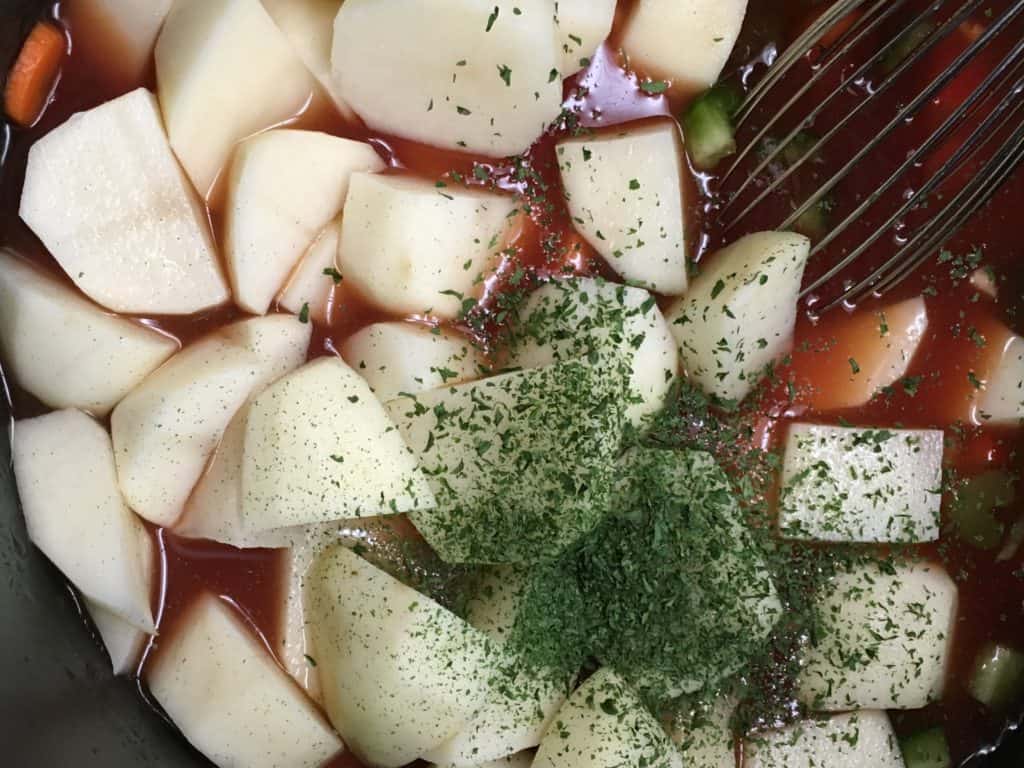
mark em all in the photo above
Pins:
pixel 970 106
pixel 906 112
pixel 993 159
pixel 863 27
pixel 941 34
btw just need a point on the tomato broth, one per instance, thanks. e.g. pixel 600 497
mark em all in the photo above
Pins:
pixel 949 361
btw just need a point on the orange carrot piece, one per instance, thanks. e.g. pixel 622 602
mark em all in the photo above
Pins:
pixel 34 73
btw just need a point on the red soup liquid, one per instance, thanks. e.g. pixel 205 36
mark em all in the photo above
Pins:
pixel 949 358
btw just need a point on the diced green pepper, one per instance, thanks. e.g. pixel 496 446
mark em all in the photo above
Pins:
pixel 998 679
pixel 972 510
pixel 927 749
pixel 906 45
pixel 708 126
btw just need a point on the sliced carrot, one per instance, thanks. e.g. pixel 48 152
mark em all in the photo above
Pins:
pixel 34 73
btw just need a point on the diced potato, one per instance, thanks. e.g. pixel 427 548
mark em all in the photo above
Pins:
pixel 64 468
pixel 283 188
pixel 687 41
pixel 866 353
pixel 309 27
pixel 520 701
pixel 406 358
pixel 319 435
pixel 522 760
pixel 861 485
pixel 574 319
pixel 167 428
pixel 1002 401
pixel 107 198
pixel 734 603
pixel 314 447
pixel 739 314
pixel 521 464
pixel 481 81
pixel 132 27
pixel 311 284
pixel 885 633
pixel 219 685
pixel 66 351
pixel 983 280
pixel 624 188
pixel 582 26
pixel 295 651
pixel 225 71
pixel 854 740
pixel 605 725
pixel 400 673
pixel 124 642
pixel 705 738
pixel 413 248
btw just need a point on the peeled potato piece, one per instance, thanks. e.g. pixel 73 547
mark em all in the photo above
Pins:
pixel 883 640
pixel 107 198
pixel 866 353
pixel 166 429
pixel 1002 401
pixel 309 27
pixel 574 319
pixel 405 358
pixel 846 484
pixel 705 737
pixel 64 467
pixel 124 642
pixel 522 465
pixel 520 701
pixel 225 71
pixel 400 673
pixel 522 760
pixel 484 80
pixel 65 350
pixel 687 41
pixel 229 697
pixel 624 188
pixel 413 248
pixel 283 188
pixel 582 26
pixel 132 27
pixel 605 725
pixel 856 739
pixel 314 447
pixel 310 286
pixel 739 314
pixel 296 651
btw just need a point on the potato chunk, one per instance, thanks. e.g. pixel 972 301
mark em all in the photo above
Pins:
pixel 64 349
pixel 231 700
pixel 687 41
pixel 485 79
pixel 225 71
pixel 861 485
pixel 413 248
pixel 624 188
pixel 400 673
pixel 885 634
pixel 605 725
pixel 740 312
pixel 107 198
pixel 855 740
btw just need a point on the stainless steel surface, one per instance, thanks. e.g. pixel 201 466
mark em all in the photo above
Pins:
pixel 1000 97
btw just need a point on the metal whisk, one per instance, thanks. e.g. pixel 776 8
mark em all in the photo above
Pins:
pixel 997 142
